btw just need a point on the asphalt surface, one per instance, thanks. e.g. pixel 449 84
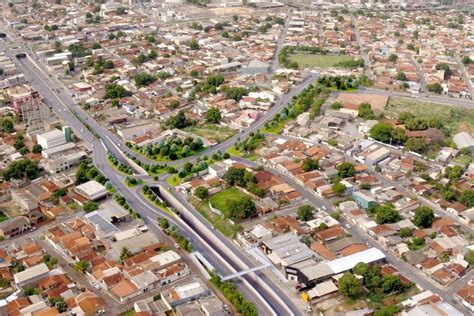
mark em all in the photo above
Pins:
pixel 258 288
pixel 267 296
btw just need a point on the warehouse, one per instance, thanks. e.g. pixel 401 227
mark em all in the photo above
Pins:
pixel 92 190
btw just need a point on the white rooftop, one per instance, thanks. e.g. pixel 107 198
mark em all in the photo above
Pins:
pixel 347 263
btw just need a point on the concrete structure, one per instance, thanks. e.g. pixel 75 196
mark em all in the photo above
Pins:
pixel 14 226
pixel 65 162
pixel 52 138
pixel 464 140
pixel 363 200
pixel 24 200
pixel 92 190
pixel 31 275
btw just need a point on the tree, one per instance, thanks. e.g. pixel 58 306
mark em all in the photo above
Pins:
pixel 310 164
pixel 336 106
pixel 120 11
pixel 114 91
pixel 7 125
pixel 392 58
pixel 178 121
pixel 466 60
pixel 164 224
pixel 345 169
pixel 125 254
pixel 469 257
pixel 20 169
pixel 144 79
pixel 434 87
pixel 401 76
pixel 90 206
pixel 381 132
pixel 467 198
pixel 213 116
pixel 339 189
pixel 349 286
pixel 424 217
pixel 241 209
pixel 152 54
pixel 193 44
pixel 391 284
pixel 82 266
pixel 389 310
pixel 405 232
pixel 415 144
pixel 361 269
pixel 386 214
pixel 365 111
pixel 305 212
pixel 201 192
pixel 454 173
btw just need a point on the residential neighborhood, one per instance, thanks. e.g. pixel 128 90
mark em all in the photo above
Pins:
pixel 236 157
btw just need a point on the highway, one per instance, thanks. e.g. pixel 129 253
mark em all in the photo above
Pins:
pixel 224 255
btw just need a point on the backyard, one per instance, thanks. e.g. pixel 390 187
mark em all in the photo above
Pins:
pixel 313 60
pixel 454 119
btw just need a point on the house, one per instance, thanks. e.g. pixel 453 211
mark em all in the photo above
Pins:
pixel 14 226
pixel 182 294
pixel 87 304
pixel 218 169
pixel 125 290
pixel 466 296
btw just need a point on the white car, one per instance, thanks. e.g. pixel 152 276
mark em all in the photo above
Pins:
pixel 348 226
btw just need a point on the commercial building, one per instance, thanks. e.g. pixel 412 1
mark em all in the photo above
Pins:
pixel 464 140
pixel 52 138
pixel 92 190
pixel 184 293
pixel 363 200
pixel 308 273
pixel 64 162
pixel 14 226
pixel 24 200
pixel 31 275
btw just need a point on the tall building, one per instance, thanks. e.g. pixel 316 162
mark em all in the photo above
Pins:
pixel 52 138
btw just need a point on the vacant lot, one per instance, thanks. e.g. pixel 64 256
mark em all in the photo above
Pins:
pixel 220 223
pixel 312 60
pixel 220 200
pixel 455 119
pixel 213 133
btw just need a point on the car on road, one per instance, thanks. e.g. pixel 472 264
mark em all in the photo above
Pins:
pixel 348 226
pixel 176 246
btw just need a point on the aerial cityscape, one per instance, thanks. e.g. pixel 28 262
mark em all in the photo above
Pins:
pixel 237 157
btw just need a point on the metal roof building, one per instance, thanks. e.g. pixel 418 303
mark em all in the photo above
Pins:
pixel 464 140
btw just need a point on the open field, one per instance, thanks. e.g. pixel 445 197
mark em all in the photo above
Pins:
pixel 220 200
pixel 234 152
pixel 313 60
pixel 454 119
pixel 220 223
pixel 213 133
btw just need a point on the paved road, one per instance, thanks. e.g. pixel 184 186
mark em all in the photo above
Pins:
pixel 275 64
pixel 363 53
pixel 217 249
pixel 413 274
pixel 466 103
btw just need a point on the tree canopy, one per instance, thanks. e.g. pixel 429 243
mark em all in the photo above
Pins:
pixel 424 217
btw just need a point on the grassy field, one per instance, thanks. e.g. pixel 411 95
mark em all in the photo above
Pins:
pixel 220 200
pixel 234 152
pixel 454 119
pixel 213 133
pixel 312 60
pixel 173 180
pixel 220 223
